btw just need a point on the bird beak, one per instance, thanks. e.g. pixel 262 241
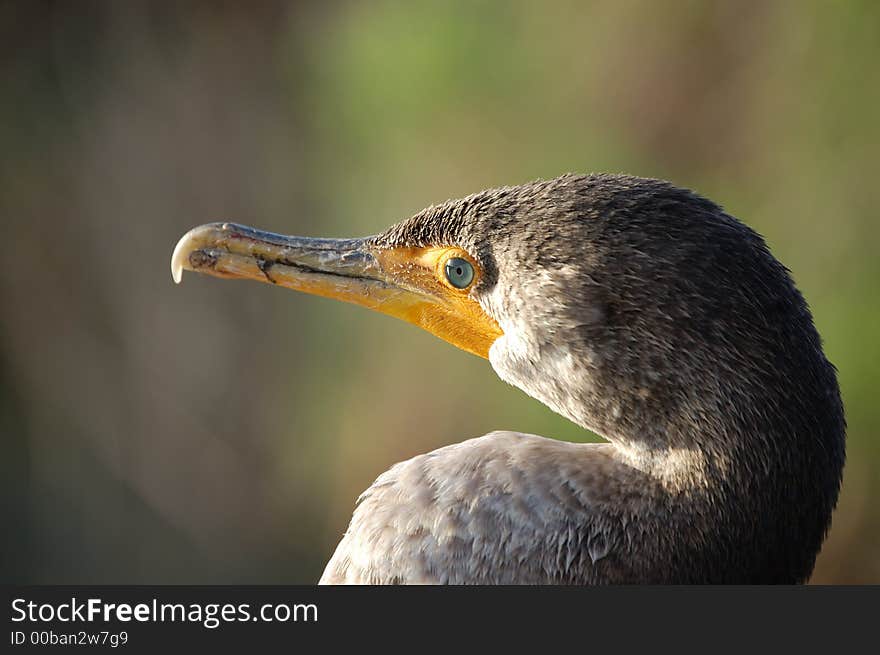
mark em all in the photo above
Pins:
pixel 400 282
pixel 334 268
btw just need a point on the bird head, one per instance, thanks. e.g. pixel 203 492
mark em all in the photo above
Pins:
pixel 634 308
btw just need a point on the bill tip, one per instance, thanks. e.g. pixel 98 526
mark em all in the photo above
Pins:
pixel 181 252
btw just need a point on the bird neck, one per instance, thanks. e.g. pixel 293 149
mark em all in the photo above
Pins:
pixel 676 469
pixel 717 434
pixel 707 448
pixel 660 444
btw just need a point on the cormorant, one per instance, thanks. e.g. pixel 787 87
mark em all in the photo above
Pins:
pixel 640 311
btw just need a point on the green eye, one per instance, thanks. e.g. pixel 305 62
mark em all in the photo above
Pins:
pixel 459 272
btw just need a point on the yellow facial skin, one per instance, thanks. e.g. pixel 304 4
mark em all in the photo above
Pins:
pixel 405 282
pixel 453 315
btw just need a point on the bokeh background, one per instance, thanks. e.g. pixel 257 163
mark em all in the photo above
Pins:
pixel 220 432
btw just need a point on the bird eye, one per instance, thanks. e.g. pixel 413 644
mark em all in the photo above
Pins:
pixel 459 272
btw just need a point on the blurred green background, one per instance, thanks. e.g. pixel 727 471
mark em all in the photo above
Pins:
pixel 220 432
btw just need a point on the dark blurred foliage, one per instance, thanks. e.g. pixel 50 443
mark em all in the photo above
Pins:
pixel 220 432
